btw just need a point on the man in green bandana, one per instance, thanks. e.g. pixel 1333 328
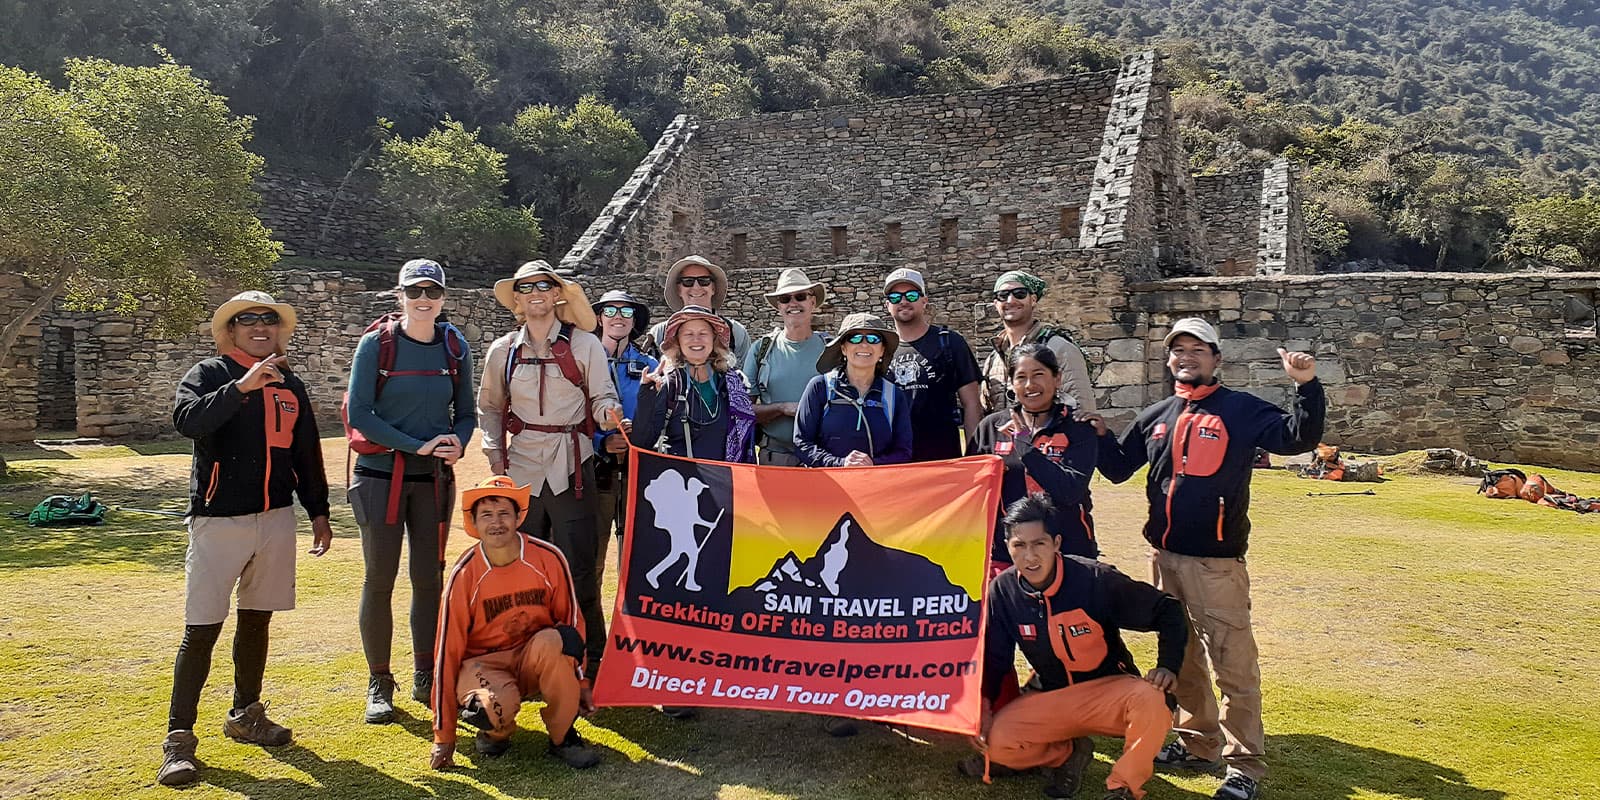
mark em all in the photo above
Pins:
pixel 1016 295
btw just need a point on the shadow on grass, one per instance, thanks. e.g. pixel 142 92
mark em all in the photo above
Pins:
pixel 1317 766
pixel 329 778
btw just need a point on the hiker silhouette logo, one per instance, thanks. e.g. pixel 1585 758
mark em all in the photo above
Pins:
pixel 682 536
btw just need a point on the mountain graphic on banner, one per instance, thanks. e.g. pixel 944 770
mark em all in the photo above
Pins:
pixel 848 564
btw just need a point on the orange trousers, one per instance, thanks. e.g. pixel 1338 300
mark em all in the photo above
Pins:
pixel 1037 729
pixel 501 680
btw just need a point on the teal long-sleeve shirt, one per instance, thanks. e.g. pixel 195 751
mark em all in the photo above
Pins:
pixel 413 408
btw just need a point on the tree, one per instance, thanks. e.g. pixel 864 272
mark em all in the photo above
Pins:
pixel 1562 231
pixel 129 189
pixel 572 160
pixel 445 188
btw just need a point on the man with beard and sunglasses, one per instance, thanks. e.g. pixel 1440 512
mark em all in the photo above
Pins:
pixel 782 362
pixel 936 368
pixel 1201 445
pixel 1016 297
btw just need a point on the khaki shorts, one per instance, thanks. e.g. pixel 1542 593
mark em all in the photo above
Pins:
pixel 254 551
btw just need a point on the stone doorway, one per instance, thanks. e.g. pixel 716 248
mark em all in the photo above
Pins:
pixel 58 381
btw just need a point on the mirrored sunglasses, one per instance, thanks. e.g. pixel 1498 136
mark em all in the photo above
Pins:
pixel 909 297
pixel 1018 293
pixel 869 338
pixel 626 312
pixel 529 287
pixel 250 319
pixel 797 297
pixel 433 292
pixel 696 280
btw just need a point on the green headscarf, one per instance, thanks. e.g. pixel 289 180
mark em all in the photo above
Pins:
pixel 1028 281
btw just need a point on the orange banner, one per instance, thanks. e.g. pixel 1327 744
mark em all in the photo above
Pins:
pixel 852 592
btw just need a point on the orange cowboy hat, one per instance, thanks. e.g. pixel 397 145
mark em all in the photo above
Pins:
pixel 496 486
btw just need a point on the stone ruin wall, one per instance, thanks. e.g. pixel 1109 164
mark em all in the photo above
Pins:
pixel 1498 365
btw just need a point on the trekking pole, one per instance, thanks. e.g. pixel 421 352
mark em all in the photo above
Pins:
pixel 701 544
pixel 1341 494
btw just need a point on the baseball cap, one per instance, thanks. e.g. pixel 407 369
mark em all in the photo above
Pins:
pixel 1196 327
pixel 905 275
pixel 418 270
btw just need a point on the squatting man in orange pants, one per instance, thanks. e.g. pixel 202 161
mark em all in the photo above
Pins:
pixel 509 628
pixel 1066 613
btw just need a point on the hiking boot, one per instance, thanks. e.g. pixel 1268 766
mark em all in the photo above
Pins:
pixel 972 767
pixel 1119 793
pixel 574 751
pixel 1237 786
pixel 1064 781
pixel 680 712
pixel 422 687
pixel 1176 756
pixel 251 726
pixel 489 746
pixel 179 766
pixel 840 727
pixel 380 699
pixel 474 714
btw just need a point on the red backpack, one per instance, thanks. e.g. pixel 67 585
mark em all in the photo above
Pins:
pixel 387 326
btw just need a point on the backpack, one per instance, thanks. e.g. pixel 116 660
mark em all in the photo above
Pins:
pixel 758 383
pixel 64 509
pixel 890 390
pixel 387 327
pixel 567 363
pixel 1503 484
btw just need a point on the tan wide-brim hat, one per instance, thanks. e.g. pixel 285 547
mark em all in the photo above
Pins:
pixel 571 307
pixel 496 486
pixel 719 282
pixel 860 322
pixel 794 280
pixel 244 301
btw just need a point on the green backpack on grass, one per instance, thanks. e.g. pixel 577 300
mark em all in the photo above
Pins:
pixel 66 509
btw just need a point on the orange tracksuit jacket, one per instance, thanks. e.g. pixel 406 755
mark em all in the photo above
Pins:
pixel 488 609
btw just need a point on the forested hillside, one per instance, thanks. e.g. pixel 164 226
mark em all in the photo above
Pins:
pixel 1517 79
pixel 1450 134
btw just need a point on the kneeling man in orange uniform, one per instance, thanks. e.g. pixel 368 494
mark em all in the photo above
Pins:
pixel 1067 614
pixel 509 629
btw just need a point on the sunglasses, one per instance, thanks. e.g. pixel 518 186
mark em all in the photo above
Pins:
pixel 1018 293
pixel 909 297
pixel 433 292
pixel 797 297
pixel 696 280
pixel 529 287
pixel 250 319
pixel 612 311
pixel 869 338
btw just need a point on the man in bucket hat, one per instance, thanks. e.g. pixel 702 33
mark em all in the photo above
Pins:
pixel 694 281
pixel 781 363
pixel 623 318
pixel 509 628
pixel 1016 296
pixel 255 449
pixel 544 393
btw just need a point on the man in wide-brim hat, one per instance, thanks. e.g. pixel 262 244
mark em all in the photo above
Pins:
pixel 531 643
pixel 544 393
pixel 256 449
pixel 781 363
pixel 622 319
pixel 695 281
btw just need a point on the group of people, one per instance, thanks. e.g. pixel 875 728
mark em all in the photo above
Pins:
pixel 519 614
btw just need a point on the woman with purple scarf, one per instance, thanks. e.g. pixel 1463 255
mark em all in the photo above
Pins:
pixel 698 406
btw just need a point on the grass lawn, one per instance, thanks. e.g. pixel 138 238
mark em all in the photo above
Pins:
pixel 1424 643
